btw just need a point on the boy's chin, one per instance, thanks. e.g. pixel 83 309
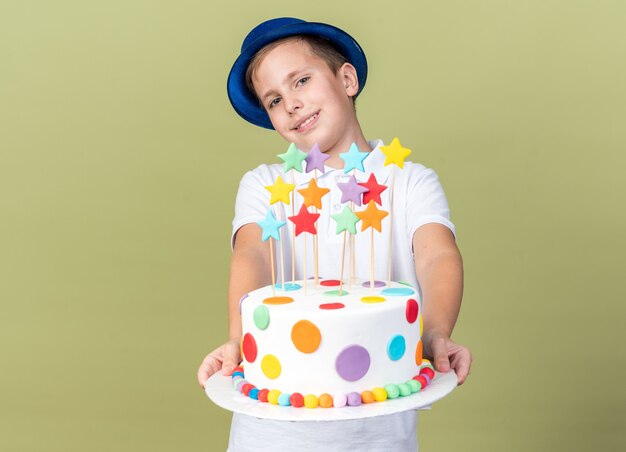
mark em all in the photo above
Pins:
pixel 302 144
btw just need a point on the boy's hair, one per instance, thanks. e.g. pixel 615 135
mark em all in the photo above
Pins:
pixel 321 47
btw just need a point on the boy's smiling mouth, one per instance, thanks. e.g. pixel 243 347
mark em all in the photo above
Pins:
pixel 306 123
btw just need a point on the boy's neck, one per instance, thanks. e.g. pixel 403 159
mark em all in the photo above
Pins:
pixel 335 161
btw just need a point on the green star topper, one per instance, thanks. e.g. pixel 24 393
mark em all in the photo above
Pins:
pixel 293 158
pixel 346 221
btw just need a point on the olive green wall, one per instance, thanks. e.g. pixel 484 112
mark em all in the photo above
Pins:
pixel 119 160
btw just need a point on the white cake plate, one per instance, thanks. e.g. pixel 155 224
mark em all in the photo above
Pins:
pixel 220 390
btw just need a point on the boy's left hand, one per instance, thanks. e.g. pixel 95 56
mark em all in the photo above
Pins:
pixel 448 355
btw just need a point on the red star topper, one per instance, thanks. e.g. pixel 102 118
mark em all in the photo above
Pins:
pixel 375 189
pixel 305 221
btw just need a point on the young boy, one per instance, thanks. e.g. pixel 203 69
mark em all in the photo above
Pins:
pixel 301 79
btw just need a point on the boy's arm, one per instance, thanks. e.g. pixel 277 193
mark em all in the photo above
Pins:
pixel 439 270
pixel 249 270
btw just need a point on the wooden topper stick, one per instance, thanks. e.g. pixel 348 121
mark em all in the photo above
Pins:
pixel 272 265
pixel 315 257
pixel 293 232
pixel 372 260
pixel 343 258
pixel 304 276
pixel 351 253
pixel 393 182
pixel 352 246
pixel 282 254
pixel 316 247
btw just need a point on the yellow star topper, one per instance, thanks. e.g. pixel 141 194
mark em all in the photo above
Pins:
pixel 280 191
pixel 395 153
pixel 313 194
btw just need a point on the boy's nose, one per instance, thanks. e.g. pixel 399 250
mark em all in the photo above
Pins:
pixel 292 105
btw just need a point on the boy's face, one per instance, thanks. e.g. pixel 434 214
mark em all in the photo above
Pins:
pixel 307 103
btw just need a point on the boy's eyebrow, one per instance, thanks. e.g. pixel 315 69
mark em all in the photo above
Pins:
pixel 286 79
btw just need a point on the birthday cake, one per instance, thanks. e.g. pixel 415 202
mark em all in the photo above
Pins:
pixel 329 350
pixel 331 342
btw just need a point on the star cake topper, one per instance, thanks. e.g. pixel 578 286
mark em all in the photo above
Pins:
pixel 315 159
pixel 271 226
pixel 351 191
pixel 280 191
pixel 346 220
pixel 305 221
pixel 293 158
pixel 353 159
pixel 395 153
pixel 374 190
pixel 371 217
pixel 313 194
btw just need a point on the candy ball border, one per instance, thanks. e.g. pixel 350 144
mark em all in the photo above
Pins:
pixel 297 400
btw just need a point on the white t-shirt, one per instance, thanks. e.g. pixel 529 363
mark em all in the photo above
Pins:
pixel 418 199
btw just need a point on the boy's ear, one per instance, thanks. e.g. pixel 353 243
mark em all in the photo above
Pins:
pixel 349 78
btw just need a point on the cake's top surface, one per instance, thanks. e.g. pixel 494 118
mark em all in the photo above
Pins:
pixel 330 296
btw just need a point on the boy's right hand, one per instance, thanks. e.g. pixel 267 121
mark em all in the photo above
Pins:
pixel 226 357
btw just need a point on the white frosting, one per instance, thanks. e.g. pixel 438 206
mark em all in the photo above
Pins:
pixel 369 325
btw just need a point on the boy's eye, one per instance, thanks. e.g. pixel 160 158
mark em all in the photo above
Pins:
pixel 303 80
pixel 274 102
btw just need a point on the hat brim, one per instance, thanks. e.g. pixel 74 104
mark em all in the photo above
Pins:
pixel 245 102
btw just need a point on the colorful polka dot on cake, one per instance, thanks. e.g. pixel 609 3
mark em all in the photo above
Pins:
pixel 270 366
pixel 372 299
pixel 397 291
pixel 261 317
pixel 278 300
pixel 412 310
pixel 337 293
pixel 331 306
pixel 330 283
pixel 418 353
pixel 377 284
pixel 353 363
pixel 288 286
pixel 241 301
pixel 396 347
pixel 249 349
pixel 306 336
